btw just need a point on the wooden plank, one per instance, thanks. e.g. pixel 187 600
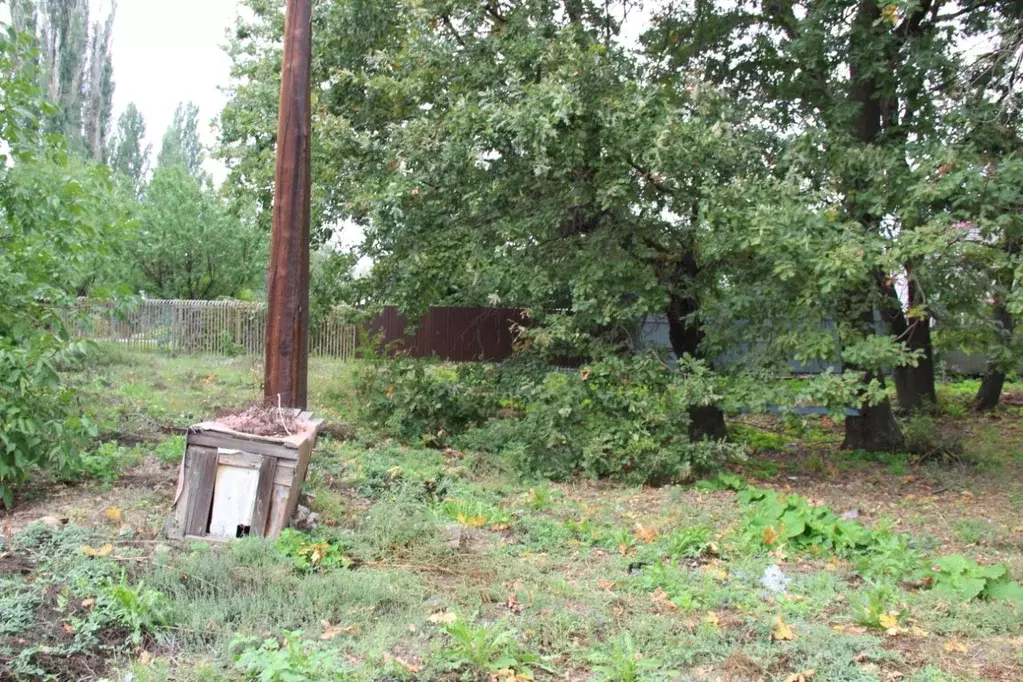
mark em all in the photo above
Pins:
pixel 213 439
pixel 233 501
pixel 279 517
pixel 176 526
pixel 200 482
pixel 243 460
pixel 295 490
pixel 206 538
pixel 285 473
pixel 264 493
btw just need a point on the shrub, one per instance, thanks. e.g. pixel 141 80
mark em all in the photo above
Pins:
pixel 620 418
pixel 414 399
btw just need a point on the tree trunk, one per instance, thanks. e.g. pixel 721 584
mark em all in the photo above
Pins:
pixel 990 391
pixel 874 429
pixel 705 421
pixel 915 386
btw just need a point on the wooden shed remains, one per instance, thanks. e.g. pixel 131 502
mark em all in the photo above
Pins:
pixel 234 484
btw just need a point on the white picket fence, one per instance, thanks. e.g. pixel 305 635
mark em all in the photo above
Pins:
pixel 201 327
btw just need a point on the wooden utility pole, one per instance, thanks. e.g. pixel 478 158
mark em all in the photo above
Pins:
pixel 287 322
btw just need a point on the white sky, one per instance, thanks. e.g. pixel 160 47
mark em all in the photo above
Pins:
pixel 169 51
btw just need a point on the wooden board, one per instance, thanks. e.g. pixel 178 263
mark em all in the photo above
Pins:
pixel 240 459
pixel 179 517
pixel 279 517
pixel 227 441
pixel 233 501
pixel 264 494
pixel 202 471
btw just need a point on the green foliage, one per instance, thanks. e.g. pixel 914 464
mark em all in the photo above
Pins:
pixel 486 648
pixel 414 400
pixel 189 245
pixel 311 554
pixel 289 659
pixel 964 579
pixel 106 462
pixel 140 609
pixel 880 608
pixel 792 520
pixel 622 662
pixel 55 222
pixel 619 418
pixel 72 607
pixel 474 513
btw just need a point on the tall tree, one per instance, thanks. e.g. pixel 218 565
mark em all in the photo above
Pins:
pixel 128 154
pixel 869 80
pixel 100 87
pixel 189 246
pixel 181 144
pixel 516 154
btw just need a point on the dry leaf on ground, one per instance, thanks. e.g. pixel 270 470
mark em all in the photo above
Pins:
pixel 782 631
pixel 443 618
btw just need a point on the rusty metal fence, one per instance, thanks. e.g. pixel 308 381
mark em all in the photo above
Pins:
pixel 201 327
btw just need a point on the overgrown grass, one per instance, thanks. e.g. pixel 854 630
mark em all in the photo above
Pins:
pixel 441 563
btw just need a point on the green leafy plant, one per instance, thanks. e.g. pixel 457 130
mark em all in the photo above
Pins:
pixel 474 513
pixel 311 554
pixel 791 519
pixel 416 400
pixel 140 609
pixel 881 608
pixel 620 418
pixel 289 659
pixel 622 662
pixel 688 542
pixel 486 648
pixel 964 579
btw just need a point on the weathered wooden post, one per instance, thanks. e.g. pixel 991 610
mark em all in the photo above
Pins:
pixel 287 321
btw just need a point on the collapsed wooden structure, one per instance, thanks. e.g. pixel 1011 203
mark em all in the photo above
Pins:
pixel 234 484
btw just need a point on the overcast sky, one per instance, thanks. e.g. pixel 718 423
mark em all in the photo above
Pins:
pixel 169 51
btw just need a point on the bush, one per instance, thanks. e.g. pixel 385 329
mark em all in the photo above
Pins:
pixel 621 418
pixel 417 400
pixel 625 418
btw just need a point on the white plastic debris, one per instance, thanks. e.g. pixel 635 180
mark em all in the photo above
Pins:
pixel 774 580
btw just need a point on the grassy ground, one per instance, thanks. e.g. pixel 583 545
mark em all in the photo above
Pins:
pixel 435 564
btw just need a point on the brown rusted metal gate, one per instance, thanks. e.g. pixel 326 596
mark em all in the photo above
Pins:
pixel 453 334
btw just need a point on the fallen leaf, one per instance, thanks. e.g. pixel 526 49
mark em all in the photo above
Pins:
pixel 851 629
pixel 411 667
pixel 782 631
pixel 88 603
pixel 770 536
pixel 145 658
pixel 954 646
pixel 332 631
pixel 105 550
pixel 889 620
pixel 801 676
pixel 472 521
pixel 605 584
pixel 514 605
pixel 114 514
pixel 661 599
pixel 712 620
pixel 443 618
pixel 645 534
pixel 69 628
